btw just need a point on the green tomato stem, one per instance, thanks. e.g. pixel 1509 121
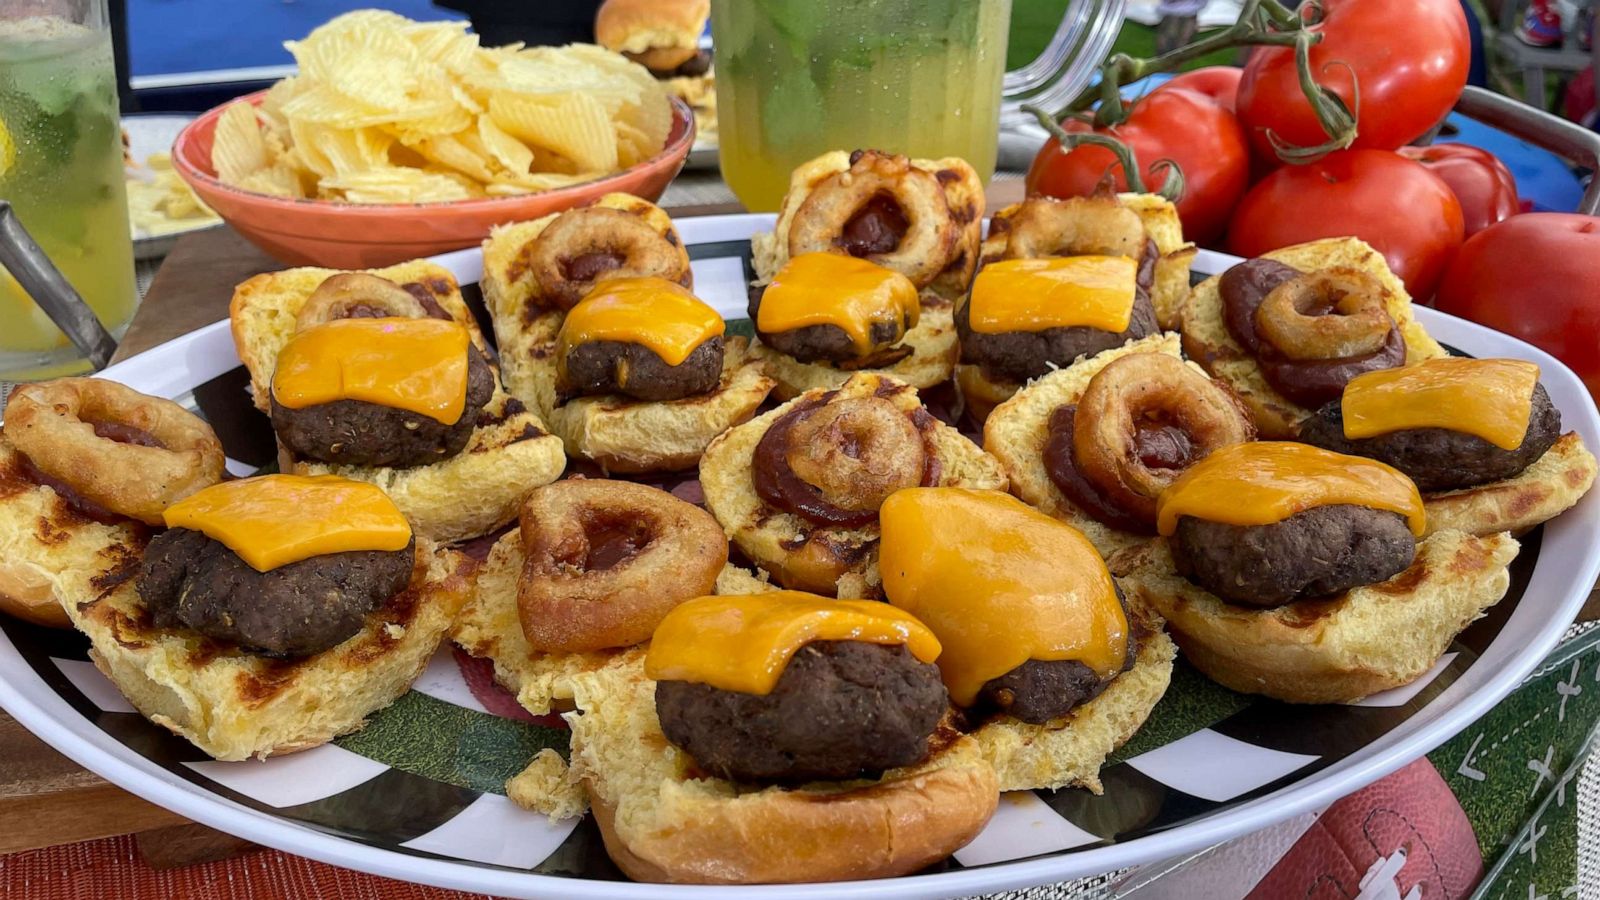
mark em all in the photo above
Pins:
pixel 1124 154
pixel 1261 23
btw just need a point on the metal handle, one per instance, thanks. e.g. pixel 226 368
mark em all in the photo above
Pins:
pixel 1567 140
pixel 26 261
pixel 1083 39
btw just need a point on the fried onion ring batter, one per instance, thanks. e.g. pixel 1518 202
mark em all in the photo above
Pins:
pixel 1143 420
pixel 583 246
pixel 128 452
pixel 350 295
pixel 881 209
pixel 1077 226
pixel 604 561
pixel 856 452
pixel 1328 314
pixel 834 462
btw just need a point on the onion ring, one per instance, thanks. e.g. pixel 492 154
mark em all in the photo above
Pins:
pixel 1143 420
pixel 61 426
pixel 1077 226
pixel 1328 314
pixel 604 561
pixel 357 294
pixel 857 452
pixel 925 246
pixel 584 246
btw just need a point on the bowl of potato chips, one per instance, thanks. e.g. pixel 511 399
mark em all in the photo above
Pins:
pixel 399 139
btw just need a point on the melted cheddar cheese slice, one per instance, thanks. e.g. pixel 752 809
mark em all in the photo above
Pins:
pixel 999 583
pixel 418 365
pixel 743 643
pixel 1265 482
pixel 1489 398
pixel 653 312
pixel 839 290
pixel 274 520
pixel 1054 292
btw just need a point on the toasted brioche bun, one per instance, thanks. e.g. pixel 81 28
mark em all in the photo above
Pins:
pixel 234 705
pixel 1160 218
pixel 631 436
pixel 933 357
pixel 1339 650
pixel 1069 751
pixel 1206 339
pixel 471 493
pixel 525 331
pixel 624 435
pixel 49 546
pixel 1015 433
pixel 800 554
pixel 963 192
pixel 548 786
pixel 1553 484
pixel 662 824
pixel 658 34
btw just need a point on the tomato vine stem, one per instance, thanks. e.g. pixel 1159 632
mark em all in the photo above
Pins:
pixel 1261 23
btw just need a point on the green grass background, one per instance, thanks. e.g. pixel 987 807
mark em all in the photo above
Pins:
pixel 1033 22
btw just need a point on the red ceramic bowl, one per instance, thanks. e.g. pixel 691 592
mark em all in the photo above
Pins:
pixel 368 235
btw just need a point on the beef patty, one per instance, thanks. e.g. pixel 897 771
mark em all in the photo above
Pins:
pixel 1440 459
pixel 634 370
pixel 1041 690
pixel 358 433
pixel 1322 551
pixel 190 580
pixel 1021 355
pixel 841 709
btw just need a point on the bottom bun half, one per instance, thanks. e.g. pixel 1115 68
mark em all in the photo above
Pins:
pixel 1553 484
pixel 1069 751
pixel 662 822
pixel 1336 650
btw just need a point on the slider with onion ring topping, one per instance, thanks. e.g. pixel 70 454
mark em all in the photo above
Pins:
pixel 1061 280
pixel 273 614
pixel 1480 438
pixel 87 467
pixel 1288 330
pixel 879 214
pixel 579 588
pixel 534 272
pixel 826 315
pixel 1053 668
pixel 798 488
pixel 1096 443
pixel 779 737
pixel 1303 574
pixel 645 377
pixel 919 217
pixel 383 377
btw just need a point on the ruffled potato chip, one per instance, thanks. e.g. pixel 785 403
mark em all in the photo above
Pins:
pixel 388 110
pixel 237 148
pixel 453 152
pixel 575 126
pixel 279 180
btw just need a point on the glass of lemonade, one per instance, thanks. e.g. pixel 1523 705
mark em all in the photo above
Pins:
pixel 61 170
pixel 796 78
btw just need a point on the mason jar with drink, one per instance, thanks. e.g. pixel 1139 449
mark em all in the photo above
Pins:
pixel 61 171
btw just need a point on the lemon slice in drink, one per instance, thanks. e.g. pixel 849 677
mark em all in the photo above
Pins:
pixel 8 149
